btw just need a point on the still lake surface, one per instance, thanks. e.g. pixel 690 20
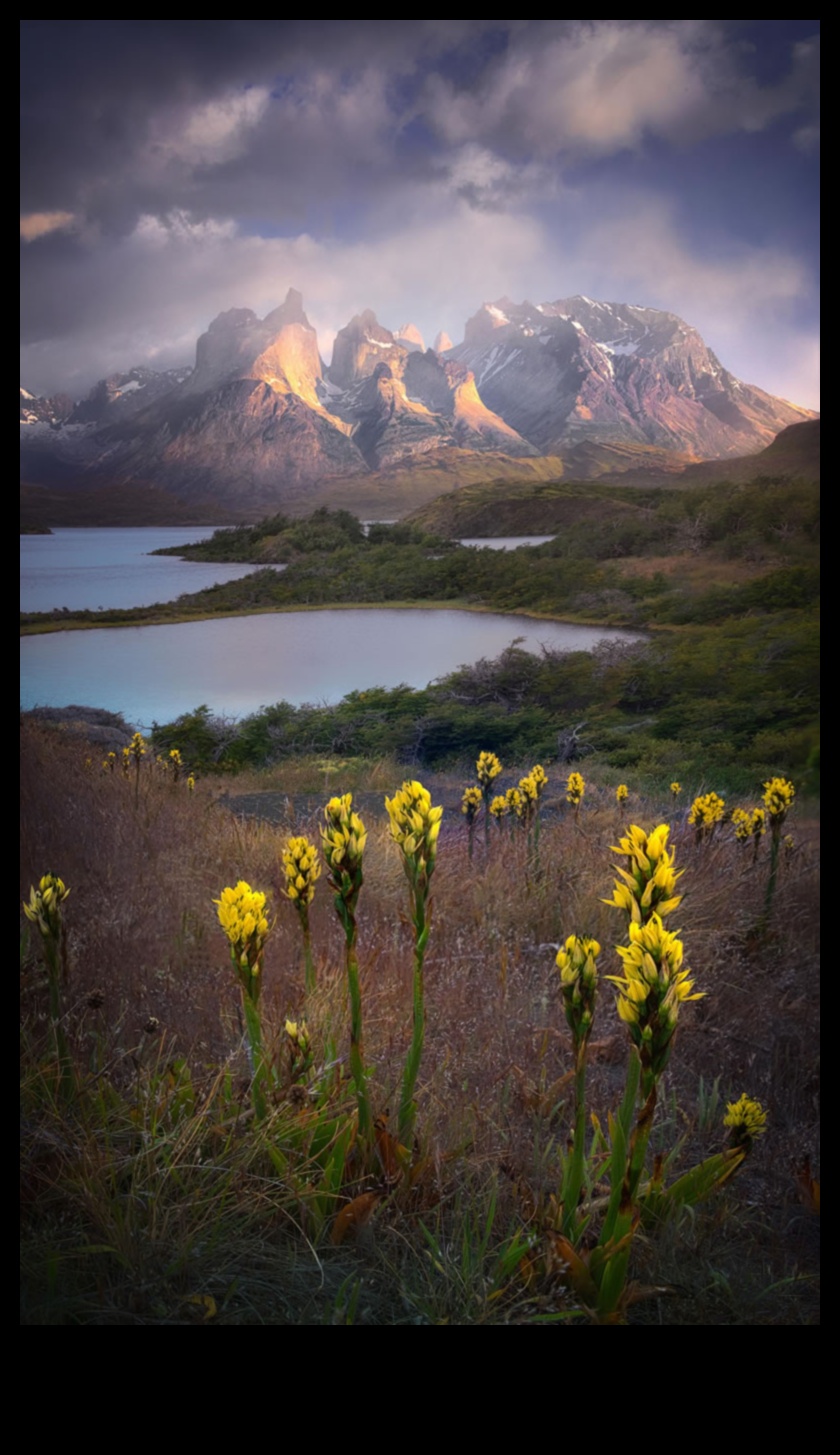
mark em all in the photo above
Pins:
pixel 237 665
pixel 102 567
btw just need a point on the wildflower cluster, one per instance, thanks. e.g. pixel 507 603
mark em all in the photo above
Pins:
pixel 779 794
pixel 676 789
pixel 746 1120
pixel 621 793
pixel 579 983
pixel 471 803
pixel 242 917
pixel 300 862
pixel 530 789
pixel 652 989
pixel 44 907
pixel 706 813
pixel 650 880
pixel 499 807
pixel 515 805
pixel 415 826
pixel 487 770
pixel 344 840
pixel 748 823
pixel 575 788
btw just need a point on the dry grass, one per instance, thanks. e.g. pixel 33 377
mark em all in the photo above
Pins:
pixel 144 941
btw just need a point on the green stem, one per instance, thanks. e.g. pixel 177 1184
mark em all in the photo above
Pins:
pixel 259 1073
pixel 55 955
pixel 357 1064
pixel 775 841
pixel 408 1109
pixel 614 1275
pixel 573 1177
pixel 308 962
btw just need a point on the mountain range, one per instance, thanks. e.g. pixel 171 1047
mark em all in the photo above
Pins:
pixel 260 422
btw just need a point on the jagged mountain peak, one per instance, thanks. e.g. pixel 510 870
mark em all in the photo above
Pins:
pixel 259 422
pixel 411 337
pixel 289 311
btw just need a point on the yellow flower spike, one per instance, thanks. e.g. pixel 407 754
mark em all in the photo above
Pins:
pixel 415 826
pixel 487 769
pixel 621 793
pixel 706 813
pixel 779 794
pixel 676 789
pixel 499 807
pixel 576 962
pixel 302 870
pixel 575 789
pixel 513 799
pixel 241 914
pixel 651 879
pixel 653 987
pixel 746 1119
pixel 44 906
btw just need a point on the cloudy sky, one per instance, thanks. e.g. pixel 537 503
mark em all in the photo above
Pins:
pixel 172 169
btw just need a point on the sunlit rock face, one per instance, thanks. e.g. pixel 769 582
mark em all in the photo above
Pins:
pixel 575 369
pixel 258 422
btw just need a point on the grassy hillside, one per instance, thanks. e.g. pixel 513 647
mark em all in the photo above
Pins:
pixel 154 1191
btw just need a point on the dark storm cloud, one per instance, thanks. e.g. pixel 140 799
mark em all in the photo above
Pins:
pixel 173 168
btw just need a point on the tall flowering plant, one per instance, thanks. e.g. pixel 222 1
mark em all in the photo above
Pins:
pixel 577 966
pixel 415 826
pixel 302 870
pixel 343 840
pixel 487 770
pixel 44 911
pixel 779 794
pixel 241 913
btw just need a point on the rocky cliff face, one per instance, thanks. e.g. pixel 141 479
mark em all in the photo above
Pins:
pixel 258 420
pixel 575 370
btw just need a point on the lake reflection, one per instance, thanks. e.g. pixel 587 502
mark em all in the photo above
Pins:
pixel 237 665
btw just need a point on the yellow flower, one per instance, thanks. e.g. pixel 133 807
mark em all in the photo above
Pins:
pixel 515 804
pixel 499 807
pixel 241 912
pixel 44 907
pixel 302 869
pixel 676 789
pixel 650 881
pixel 654 985
pixel 621 793
pixel 471 803
pixel 538 777
pixel 579 983
pixel 746 1119
pixel 575 788
pixel 706 813
pixel 343 842
pixel 779 794
pixel 487 769
pixel 747 823
pixel 415 827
